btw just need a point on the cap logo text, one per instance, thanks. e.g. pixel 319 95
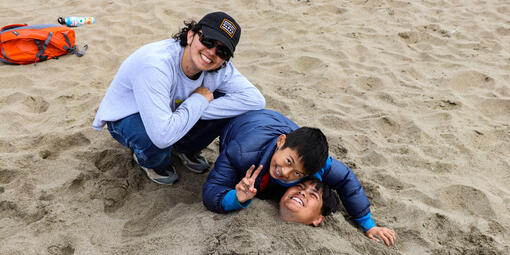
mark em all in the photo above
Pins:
pixel 228 27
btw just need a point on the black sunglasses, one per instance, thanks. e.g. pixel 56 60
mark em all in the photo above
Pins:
pixel 221 50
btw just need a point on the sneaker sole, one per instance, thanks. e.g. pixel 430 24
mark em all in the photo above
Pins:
pixel 156 180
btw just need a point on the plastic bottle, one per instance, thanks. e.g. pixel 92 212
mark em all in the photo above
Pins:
pixel 76 21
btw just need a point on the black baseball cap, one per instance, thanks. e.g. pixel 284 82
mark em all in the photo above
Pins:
pixel 221 27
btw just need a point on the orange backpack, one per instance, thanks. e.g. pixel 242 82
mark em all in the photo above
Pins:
pixel 22 44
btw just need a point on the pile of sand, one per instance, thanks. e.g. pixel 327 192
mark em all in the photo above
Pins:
pixel 413 96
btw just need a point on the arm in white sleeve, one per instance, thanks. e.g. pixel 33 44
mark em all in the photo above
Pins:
pixel 240 96
pixel 151 88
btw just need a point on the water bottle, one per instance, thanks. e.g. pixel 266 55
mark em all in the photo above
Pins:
pixel 76 21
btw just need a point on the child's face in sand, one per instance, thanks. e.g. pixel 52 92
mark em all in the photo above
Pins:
pixel 202 58
pixel 286 164
pixel 302 203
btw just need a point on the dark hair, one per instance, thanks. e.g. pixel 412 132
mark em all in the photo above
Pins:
pixel 311 145
pixel 330 200
pixel 182 37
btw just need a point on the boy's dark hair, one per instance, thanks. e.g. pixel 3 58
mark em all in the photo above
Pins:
pixel 330 200
pixel 311 145
pixel 182 37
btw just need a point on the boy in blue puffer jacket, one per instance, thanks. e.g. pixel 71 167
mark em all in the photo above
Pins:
pixel 284 155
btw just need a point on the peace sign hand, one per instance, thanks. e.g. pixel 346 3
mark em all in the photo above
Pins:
pixel 245 189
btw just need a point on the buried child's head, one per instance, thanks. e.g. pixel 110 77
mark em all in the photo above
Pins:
pixel 308 202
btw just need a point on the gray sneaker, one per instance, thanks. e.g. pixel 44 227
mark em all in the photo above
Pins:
pixel 169 178
pixel 194 162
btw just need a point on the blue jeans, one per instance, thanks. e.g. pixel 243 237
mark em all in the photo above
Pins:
pixel 131 133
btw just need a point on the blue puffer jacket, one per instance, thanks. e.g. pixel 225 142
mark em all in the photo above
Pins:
pixel 250 139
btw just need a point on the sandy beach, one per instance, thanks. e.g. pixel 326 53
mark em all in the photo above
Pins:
pixel 413 96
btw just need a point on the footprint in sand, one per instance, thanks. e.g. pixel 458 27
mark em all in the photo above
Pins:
pixel 26 214
pixel 450 237
pixel 7 176
pixel 496 109
pixel 469 80
pixel 114 194
pixel 293 93
pixel 115 163
pixel 111 191
pixel 119 176
pixel 53 145
pixel 8 209
pixel 373 158
pixel 397 129
pixel 22 81
pixel 326 9
pixel 414 241
pixel 61 249
pixel 387 126
pixel 369 83
pixel 443 104
pixel 410 37
pixel 274 103
pixel 391 182
pixel 503 31
pixel 389 99
pixel 467 199
pixel 142 30
pixel 428 34
pixel 36 104
pixel 7 147
pixel 333 122
pixel 307 64
pixel 418 196
pixel 336 147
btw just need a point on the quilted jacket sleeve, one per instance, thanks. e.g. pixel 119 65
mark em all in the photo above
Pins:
pixel 222 178
pixel 349 189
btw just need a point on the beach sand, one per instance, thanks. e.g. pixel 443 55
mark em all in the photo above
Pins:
pixel 413 96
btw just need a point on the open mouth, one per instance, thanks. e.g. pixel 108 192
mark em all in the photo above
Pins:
pixel 277 172
pixel 206 59
pixel 297 200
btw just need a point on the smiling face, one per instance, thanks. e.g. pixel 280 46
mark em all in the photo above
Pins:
pixel 302 203
pixel 197 57
pixel 286 164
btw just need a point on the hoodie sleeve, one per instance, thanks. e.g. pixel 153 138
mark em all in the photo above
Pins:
pixel 152 93
pixel 240 96
pixel 349 189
